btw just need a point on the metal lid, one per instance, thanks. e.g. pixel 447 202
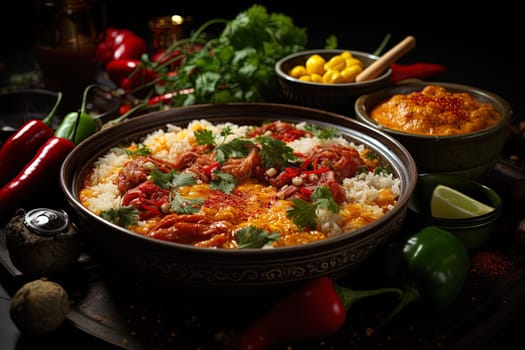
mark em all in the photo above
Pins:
pixel 46 222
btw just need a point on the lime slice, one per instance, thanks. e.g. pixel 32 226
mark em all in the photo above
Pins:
pixel 449 203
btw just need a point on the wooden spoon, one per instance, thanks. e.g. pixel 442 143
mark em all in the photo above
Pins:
pixel 389 57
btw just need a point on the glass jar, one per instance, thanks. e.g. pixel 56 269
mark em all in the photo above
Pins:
pixel 66 47
pixel 165 30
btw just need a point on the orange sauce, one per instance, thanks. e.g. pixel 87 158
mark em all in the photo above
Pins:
pixel 435 111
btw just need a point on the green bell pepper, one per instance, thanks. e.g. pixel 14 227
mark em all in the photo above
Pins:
pixel 78 125
pixel 432 264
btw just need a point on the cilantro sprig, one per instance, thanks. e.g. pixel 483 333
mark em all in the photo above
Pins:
pixel 123 216
pixel 183 205
pixel 304 214
pixel 237 65
pixel 323 133
pixel 254 237
pixel 172 179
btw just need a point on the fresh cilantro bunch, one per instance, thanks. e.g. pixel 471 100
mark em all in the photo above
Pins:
pixel 236 66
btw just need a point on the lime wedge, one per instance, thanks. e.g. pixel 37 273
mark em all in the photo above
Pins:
pixel 449 203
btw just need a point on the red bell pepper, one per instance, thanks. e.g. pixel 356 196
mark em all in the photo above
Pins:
pixel 129 73
pixel 120 43
pixel 317 309
pixel 21 146
pixel 419 70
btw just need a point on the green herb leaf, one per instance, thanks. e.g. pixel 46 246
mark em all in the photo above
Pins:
pixel 123 216
pixel 237 148
pixel 142 150
pixel 182 205
pixel 172 179
pixel 323 133
pixel 274 153
pixel 385 170
pixel 254 237
pixel 204 137
pixel 304 214
pixel 223 181
pixel 322 197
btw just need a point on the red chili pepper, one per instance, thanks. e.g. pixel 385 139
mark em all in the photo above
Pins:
pixel 118 44
pixel 21 146
pixel 419 70
pixel 41 171
pixel 317 309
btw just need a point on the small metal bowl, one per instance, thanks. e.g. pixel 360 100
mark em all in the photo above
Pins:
pixel 473 232
pixel 337 98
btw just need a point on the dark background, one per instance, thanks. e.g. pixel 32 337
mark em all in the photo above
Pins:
pixel 479 44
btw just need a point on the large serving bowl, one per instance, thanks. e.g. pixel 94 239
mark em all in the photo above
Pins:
pixel 232 271
pixel 337 98
pixel 470 155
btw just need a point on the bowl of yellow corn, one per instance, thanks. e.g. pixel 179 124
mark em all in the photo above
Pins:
pixel 325 78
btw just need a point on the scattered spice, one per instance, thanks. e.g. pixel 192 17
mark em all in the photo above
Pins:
pixel 491 263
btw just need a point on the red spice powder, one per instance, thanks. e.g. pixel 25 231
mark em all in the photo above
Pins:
pixel 491 263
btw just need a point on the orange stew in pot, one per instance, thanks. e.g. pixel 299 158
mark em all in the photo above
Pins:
pixel 435 111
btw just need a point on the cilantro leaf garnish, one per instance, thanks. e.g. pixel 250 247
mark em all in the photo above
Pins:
pixel 386 170
pixel 236 148
pixel 323 133
pixel 172 178
pixel 304 214
pixel 142 150
pixel 182 205
pixel 204 137
pixel 274 153
pixel 123 216
pixel 254 237
pixel 223 181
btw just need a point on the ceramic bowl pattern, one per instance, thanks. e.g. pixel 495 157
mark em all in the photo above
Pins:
pixel 471 155
pixel 243 271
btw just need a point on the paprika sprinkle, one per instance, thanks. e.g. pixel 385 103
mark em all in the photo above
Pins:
pixel 491 263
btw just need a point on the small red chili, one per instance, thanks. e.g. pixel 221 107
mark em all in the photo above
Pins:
pixel 41 171
pixel 317 309
pixel 21 146
pixel 419 70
